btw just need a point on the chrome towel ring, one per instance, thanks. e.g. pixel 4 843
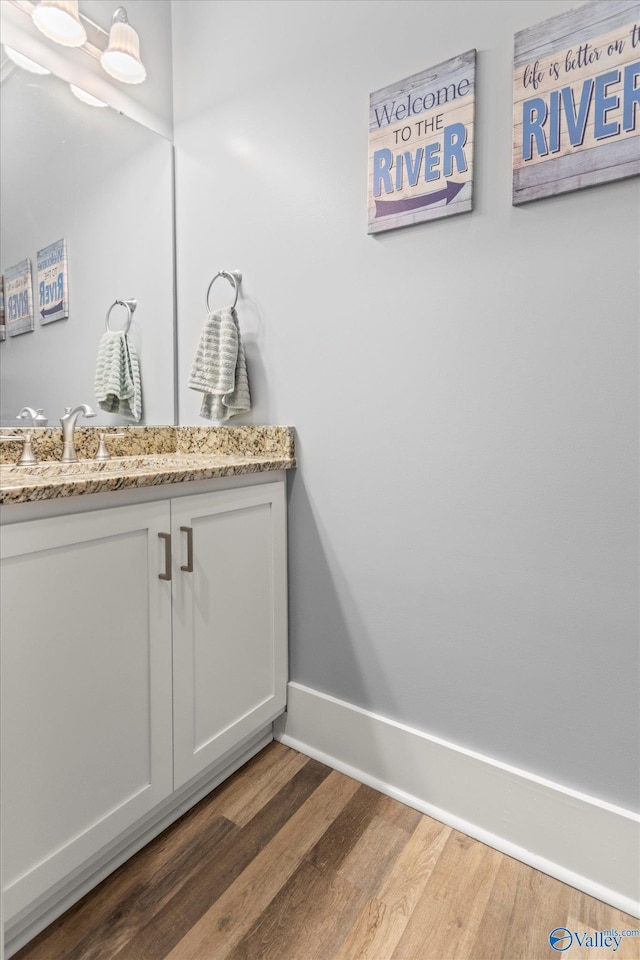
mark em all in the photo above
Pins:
pixel 234 277
pixel 129 304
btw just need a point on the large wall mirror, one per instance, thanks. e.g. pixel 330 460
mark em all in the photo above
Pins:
pixel 104 183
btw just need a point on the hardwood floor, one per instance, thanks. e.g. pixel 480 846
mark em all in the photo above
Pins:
pixel 290 860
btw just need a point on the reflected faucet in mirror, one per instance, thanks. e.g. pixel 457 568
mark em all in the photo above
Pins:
pixel 38 418
pixel 68 423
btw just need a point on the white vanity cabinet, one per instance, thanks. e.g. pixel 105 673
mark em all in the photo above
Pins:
pixel 229 621
pixel 126 695
pixel 86 689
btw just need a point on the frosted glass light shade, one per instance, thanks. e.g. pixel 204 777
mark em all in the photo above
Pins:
pixel 25 62
pixel 60 21
pixel 87 98
pixel 121 59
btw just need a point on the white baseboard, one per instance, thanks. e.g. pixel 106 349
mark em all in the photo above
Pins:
pixel 585 842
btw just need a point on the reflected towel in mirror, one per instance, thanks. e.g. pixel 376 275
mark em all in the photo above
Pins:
pixel 117 384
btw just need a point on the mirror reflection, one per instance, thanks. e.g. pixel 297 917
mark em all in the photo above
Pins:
pixel 104 184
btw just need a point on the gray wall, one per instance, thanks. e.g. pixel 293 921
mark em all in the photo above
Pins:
pixel 463 519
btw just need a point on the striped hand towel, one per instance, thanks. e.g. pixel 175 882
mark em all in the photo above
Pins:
pixel 219 367
pixel 117 384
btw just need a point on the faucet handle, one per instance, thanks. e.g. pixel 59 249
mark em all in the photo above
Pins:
pixel 27 457
pixel 103 453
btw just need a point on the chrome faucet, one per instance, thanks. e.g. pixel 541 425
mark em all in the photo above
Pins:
pixel 68 424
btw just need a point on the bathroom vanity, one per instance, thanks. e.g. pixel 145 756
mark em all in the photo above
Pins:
pixel 144 651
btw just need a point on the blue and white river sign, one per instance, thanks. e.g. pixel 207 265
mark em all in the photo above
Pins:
pixel 52 288
pixel 18 298
pixel 421 134
pixel 576 100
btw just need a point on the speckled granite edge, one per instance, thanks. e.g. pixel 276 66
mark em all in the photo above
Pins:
pixel 210 467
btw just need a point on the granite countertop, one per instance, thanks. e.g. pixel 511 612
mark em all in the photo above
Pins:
pixel 145 456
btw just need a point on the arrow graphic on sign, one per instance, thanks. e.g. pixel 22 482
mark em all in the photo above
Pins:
pixel 54 309
pixel 386 207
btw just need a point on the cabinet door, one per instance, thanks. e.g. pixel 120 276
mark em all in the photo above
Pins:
pixel 86 689
pixel 229 627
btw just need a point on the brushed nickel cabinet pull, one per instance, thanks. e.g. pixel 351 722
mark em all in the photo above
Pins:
pixel 167 556
pixel 188 566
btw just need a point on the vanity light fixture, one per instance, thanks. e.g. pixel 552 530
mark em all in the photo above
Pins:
pixel 118 50
pixel 60 21
pixel 86 97
pixel 121 59
pixel 25 62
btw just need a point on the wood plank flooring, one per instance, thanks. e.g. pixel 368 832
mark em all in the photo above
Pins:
pixel 290 860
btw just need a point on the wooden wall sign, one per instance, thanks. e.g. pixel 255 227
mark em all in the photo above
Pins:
pixel 576 100
pixel 421 145
pixel 18 298
pixel 52 282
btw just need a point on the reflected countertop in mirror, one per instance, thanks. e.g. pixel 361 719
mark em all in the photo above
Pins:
pixel 104 183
